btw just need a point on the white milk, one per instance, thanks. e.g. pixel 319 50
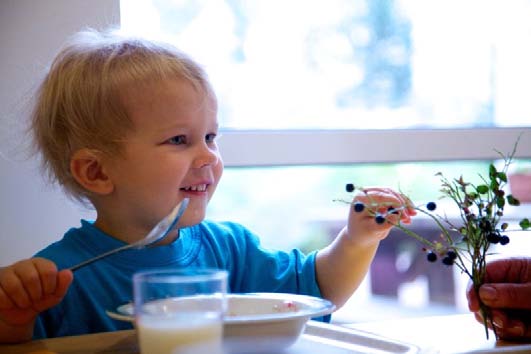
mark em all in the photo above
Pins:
pixel 179 335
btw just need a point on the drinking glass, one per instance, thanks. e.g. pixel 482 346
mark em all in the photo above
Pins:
pixel 180 311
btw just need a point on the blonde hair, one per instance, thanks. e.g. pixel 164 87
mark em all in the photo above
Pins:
pixel 79 103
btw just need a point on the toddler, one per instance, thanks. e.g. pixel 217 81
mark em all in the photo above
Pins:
pixel 129 126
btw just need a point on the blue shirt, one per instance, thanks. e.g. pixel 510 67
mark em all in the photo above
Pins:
pixel 106 284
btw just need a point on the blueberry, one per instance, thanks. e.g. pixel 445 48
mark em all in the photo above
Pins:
pixel 504 240
pixel 349 187
pixel 431 206
pixel 485 224
pixel 380 219
pixel 451 254
pixel 432 257
pixel 493 237
pixel 358 207
pixel 448 261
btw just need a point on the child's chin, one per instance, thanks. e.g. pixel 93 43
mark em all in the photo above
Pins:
pixel 190 220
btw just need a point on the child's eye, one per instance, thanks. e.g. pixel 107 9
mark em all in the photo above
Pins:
pixel 177 140
pixel 210 138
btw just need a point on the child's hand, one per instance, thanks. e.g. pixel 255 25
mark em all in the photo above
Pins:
pixel 29 287
pixel 382 208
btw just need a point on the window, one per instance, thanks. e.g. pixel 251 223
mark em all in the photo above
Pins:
pixel 361 64
pixel 335 68
pixel 321 93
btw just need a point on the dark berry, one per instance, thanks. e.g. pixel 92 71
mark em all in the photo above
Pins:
pixel 432 257
pixel 431 206
pixel 493 237
pixel 485 224
pixel 504 240
pixel 349 187
pixel 451 255
pixel 358 207
pixel 380 219
pixel 448 261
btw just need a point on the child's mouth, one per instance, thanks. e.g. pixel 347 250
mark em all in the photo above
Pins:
pixel 195 188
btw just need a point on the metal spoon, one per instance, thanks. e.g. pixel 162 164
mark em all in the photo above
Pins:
pixel 161 230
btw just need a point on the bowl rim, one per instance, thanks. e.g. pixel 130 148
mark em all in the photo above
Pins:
pixel 313 307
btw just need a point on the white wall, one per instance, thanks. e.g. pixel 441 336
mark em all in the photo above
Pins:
pixel 32 214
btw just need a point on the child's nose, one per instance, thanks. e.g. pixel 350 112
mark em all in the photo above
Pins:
pixel 206 156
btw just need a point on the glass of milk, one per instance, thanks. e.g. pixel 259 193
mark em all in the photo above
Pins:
pixel 180 311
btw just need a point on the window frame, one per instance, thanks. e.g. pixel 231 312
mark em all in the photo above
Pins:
pixel 248 148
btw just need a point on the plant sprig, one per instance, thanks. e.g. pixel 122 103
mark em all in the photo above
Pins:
pixel 481 208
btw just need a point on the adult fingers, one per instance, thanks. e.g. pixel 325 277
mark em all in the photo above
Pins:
pixel 514 330
pixel 509 270
pixel 508 296
pixel 512 324
pixel 479 318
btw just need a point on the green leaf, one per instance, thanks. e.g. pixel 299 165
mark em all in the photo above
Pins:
pixel 512 200
pixel 525 224
pixel 492 171
pixel 482 189
pixel 502 176
pixel 500 202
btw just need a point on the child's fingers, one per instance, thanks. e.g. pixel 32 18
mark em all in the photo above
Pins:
pixel 392 197
pixel 30 281
pixel 47 274
pixel 393 206
pixel 379 197
pixel 30 278
pixel 410 207
pixel 5 301
pixel 14 289
pixel 64 279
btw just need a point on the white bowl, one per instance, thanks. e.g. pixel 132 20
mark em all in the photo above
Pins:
pixel 259 322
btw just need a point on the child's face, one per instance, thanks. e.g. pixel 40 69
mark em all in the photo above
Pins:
pixel 171 154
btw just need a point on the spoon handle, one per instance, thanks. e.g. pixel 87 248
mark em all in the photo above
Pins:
pixel 98 257
pixel 161 230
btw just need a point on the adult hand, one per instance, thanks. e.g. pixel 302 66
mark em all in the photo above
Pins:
pixel 507 292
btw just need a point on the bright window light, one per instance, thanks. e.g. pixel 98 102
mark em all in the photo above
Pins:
pixel 344 64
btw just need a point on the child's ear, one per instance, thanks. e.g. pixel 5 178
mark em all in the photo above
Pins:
pixel 87 169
